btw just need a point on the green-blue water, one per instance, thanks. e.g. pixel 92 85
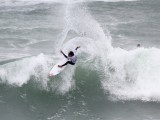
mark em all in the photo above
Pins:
pixel 112 79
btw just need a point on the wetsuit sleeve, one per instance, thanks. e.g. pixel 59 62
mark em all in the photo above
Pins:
pixel 77 48
pixel 64 55
pixel 75 51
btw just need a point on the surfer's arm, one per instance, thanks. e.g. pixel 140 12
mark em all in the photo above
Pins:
pixel 64 54
pixel 77 48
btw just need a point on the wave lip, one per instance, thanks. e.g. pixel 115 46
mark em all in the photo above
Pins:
pixel 33 2
pixel 19 72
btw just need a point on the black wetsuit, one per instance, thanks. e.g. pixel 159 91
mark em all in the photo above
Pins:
pixel 68 62
pixel 71 60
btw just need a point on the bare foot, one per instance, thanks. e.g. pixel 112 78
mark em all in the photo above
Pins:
pixel 59 66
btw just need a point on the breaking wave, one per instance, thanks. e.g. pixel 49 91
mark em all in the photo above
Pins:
pixel 124 75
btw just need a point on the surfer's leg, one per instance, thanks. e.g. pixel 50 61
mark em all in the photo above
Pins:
pixel 68 62
pixel 71 63
pixel 65 63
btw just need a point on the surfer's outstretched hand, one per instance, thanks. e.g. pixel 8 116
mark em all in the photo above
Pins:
pixel 77 47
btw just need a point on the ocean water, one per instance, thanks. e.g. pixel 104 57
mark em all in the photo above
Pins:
pixel 113 79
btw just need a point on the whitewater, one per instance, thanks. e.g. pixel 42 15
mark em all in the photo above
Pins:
pixel 113 79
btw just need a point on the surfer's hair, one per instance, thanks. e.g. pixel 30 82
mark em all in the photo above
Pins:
pixel 70 54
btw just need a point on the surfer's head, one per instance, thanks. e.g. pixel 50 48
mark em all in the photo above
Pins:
pixel 70 54
pixel 138 45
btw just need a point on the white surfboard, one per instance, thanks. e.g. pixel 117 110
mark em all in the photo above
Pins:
pixel 56 70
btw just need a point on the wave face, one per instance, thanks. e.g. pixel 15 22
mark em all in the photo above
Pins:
pixel 112 75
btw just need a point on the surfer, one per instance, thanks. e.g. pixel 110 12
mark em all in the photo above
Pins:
pixel 138 45
pixel 72 58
